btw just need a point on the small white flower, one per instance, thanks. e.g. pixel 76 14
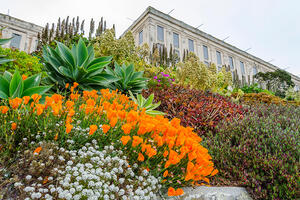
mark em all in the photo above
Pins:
pixel 28 177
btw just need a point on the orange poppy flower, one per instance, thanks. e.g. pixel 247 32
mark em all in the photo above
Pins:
pixel 214 172
pixel 24 77
pixel 37 151
pixel 141 157
pixel 165 173
pixel 136 141
pixel 14 126
pixel 68 128
pixel 3 109
pixel 126 128
pixel 93 129
pixel 15 103
pixel 36 97
pixel 67 85
pixel 166 153
pixel 173 192
pixel 125 139
pixel 56 136
pixel 39 108
pixel 26 99
pixel 113 122
pixel 71 113
pixel 75 85
pixel 105 128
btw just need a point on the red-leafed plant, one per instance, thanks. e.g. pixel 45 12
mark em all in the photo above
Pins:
pixel 198 109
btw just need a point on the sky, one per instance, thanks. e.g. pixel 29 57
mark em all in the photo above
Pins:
pixel 271 28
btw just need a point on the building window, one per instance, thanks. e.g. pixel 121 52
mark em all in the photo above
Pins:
pixel 205 55
pixel 231 63
pixel 160 33
pixel 176 40
pixel 242 67
pixel 15 41
pixel 141 37
pixel 219 60
pixel 191 45
pixel 254 70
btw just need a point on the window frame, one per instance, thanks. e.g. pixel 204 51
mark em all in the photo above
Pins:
pixel 163 33
pixel 192 41
pixel 243 71
pixel 141 33
pixel 174 40
pixel 232 60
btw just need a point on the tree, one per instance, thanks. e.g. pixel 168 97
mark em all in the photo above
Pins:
pixel 277 81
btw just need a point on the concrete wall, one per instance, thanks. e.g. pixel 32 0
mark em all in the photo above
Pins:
pixel 26 30
pixel 152 18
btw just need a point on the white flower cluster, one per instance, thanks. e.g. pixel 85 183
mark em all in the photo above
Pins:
pixel 96 174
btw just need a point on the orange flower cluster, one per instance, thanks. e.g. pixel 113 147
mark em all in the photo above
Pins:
pixel 154 140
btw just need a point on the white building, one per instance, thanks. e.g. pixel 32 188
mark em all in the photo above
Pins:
pixel 24 34
pixel 155 27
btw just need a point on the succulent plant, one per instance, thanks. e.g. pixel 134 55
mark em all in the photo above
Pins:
pixel 12 86
pixel 128 79
pixel 64 65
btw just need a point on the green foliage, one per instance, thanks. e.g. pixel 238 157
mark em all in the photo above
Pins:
pixel 292 95
pixel 12 86
pixel 26 64
pixel 254 88
pixel 277 81
pixel 3 58
pixel 146 103
pixel 196 74
pixel 259 152
pixel 64 65
pixel 128 79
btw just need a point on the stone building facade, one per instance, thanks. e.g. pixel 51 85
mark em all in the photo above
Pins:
pixel 24 34
pixel 155 27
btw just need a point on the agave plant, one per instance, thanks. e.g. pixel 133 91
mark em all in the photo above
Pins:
pixel 146 104
pixel 128 79
pixel 12 86
pixel 2 57
pixel 64 65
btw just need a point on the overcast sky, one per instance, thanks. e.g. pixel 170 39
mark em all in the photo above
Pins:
pixel 271 28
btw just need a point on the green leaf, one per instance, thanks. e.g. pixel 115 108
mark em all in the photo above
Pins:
pixel 66 54
pixel 14 83
pixel 18 91
pixel 3 95
pixel 4 40
pixel 154 112
pixel 7 75
pixel 149 100
pixel 32 81
pixel 4 85
pixel 36 90
pixel 82 52
pixel 100 59
pixel 5 60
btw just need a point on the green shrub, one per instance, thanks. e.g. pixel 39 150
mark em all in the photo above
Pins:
pixel 64 65
pixel 123 49
pixel 197 75
pixel 24 63
pixel 259 152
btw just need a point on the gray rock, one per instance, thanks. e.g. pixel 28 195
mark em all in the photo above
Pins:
pixel 212 193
